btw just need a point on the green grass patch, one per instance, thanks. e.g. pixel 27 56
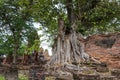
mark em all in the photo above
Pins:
pixel 23 77
pixel 2 77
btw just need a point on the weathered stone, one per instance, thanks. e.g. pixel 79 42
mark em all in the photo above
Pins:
pixel 2 71
pixel 11 74
pixel 36 73
pixel 62 75
pixel 102 68
pixel 105 48
pixel 116 73
pixel 108 78
pixel 86 77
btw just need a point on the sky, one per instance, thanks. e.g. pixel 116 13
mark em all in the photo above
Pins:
pixel 44 44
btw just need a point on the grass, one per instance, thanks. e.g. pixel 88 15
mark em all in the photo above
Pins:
pixel 2 77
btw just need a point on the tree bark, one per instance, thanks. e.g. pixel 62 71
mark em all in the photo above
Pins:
pixel 16 39
pixel 15 54
pixel 16 46
pixel 68 48
pixel 70 12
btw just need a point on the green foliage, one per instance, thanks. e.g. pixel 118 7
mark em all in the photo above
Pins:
pixel 25 49
pixel 22 49
pixel 16 26
pixel 6 45
pixel 92 17
pixel 17 18
pixel 104 17
pixel 35 46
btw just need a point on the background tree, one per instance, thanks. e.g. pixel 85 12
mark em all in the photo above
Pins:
pixel 16 27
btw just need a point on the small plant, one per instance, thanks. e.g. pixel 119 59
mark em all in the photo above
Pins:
pixel 50 78
pixel 23 77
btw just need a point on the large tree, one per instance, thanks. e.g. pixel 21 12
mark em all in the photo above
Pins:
pixel 68 48
pixel 74 17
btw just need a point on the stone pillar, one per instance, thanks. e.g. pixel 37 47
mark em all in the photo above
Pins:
pixel 11 74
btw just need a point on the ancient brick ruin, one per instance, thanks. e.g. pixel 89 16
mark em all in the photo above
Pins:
pixel 104 48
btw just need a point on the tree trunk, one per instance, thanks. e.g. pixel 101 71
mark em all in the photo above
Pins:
pixel 68 48
pixel 70 12
pixel 14 55
pixel 16 47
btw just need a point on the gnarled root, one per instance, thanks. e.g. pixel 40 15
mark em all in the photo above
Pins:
pixel 68 49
